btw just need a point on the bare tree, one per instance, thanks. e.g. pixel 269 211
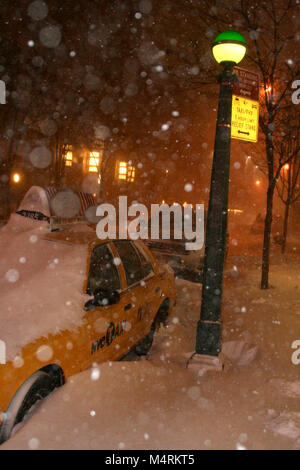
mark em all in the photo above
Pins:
pixel 288 185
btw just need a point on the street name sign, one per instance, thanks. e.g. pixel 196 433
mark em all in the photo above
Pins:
pixel 246 85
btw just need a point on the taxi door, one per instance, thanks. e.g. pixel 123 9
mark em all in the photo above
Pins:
pixel 112 327
pixel 141 286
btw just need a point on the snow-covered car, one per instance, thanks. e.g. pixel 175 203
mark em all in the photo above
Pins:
pixel 69 300
pixel 186 264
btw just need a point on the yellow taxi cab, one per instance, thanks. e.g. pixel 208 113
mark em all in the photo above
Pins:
pixel 130 295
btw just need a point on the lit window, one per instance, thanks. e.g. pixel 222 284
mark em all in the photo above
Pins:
pixel 122 171
pixel 68 156
pixel 126 172
pixel 94 162
pixel 130 173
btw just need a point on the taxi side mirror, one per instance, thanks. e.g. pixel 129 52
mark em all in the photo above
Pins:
pixel 102 298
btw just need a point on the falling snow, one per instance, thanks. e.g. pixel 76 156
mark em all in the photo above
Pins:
pixel 118 98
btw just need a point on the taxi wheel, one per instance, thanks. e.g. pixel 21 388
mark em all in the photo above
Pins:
pixel 36 387
pixel 142 348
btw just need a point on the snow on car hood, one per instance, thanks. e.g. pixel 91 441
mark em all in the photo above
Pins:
pixel 41 284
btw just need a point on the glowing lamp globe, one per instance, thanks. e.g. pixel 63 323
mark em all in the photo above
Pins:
pixel 229 46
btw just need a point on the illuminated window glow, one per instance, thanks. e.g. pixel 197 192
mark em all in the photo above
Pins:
pixel 126 172
pixel 122 171
pixel 94 162
pixel 69 156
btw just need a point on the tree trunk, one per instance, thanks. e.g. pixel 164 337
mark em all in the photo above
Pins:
pixel 267 239
pixel 285 225
pixel 7 166
pixel 5 172
pixel 5 199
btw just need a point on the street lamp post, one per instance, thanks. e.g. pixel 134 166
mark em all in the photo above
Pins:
pixel 228 49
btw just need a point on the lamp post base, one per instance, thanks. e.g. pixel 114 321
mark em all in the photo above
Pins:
pixel 203 363
pixel 208 341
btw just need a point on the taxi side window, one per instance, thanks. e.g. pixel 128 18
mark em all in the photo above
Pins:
pixel 146 264
pixel 103 272
pixel 134 269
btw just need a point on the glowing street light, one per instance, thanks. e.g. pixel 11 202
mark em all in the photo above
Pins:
pixel 16 177
pixel 228 49
pixel 257 182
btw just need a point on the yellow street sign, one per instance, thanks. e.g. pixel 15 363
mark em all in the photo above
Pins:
pixel 244 119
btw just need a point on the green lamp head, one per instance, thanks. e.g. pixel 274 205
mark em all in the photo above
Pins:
pixel 229 46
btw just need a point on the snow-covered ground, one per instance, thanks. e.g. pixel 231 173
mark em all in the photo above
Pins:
pixel 158 403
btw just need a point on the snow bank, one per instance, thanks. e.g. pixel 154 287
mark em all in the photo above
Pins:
pixel 40 283
pixel 286 424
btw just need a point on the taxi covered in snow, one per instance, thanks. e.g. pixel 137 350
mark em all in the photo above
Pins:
pixel 69 300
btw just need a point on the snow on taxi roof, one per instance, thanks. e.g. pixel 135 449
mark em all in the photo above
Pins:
pixel 57 206
pixel 41 283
